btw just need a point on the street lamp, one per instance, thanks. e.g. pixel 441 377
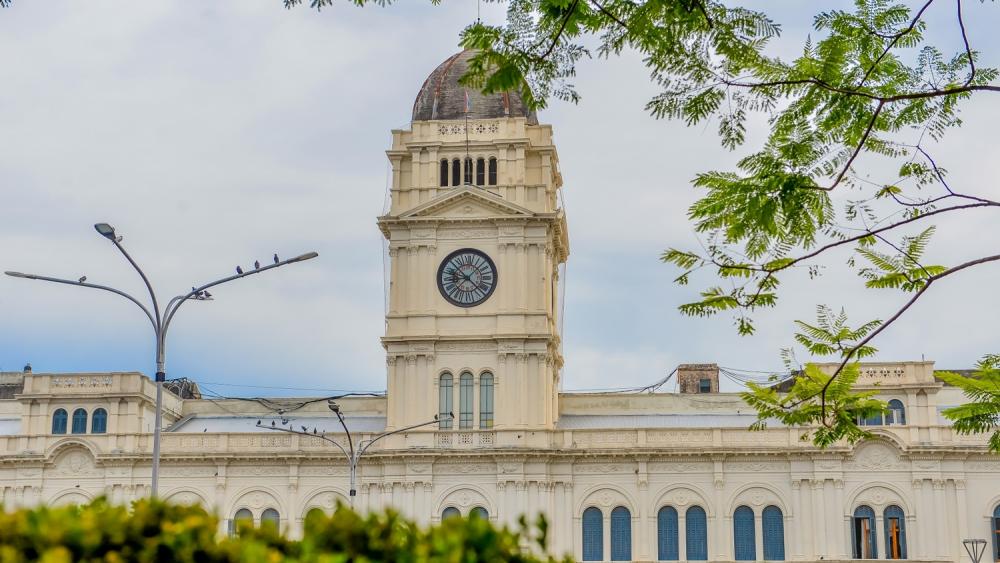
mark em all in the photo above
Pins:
pixel 975 548
pixel 160 322
pixel 353 454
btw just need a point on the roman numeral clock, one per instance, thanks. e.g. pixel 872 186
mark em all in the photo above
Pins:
pixel 467 277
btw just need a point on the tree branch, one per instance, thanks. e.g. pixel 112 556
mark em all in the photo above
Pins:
pixel 895 39
pixel 562 28
pixel 965 39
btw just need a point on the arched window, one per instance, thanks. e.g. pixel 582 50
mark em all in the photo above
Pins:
pixel 444 401
pixel 242 515
pixel 79 421
pixel 450 512
pixel 468 170
pixel 894 522
pixel 621 534
pixel 480 512
pixel 270 517
pixel 99 422
pixel 773 530
pixel 863 533
pixel 493 172
pixel 897 413
pixel 996 533
pixel 456 172
pixel 480 171
pixel 486 400
pixel 593 534
pixel 873 420
pixel 744 546
pixel 59 419
pixel 667 544
pixel 443 180
pixel 696 534
pixel 465 400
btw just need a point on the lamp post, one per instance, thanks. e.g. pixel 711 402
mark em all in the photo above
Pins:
pixel 159 319
pixel 353 454
pixel 975 548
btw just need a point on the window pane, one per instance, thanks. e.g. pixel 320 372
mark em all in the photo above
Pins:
pixel 465 401
pixel 666 534
pixel 480 512
pixel 480 172
pixel 468 170
pixel 456 172
pixel 773 526
pixel 863 533
pixel 593 534
pixel 242 515
pixel 621 534
pixel 443 180
pixel 745 547
pixel 59 419
pixel 450 512
pixel 897 413
pixel 79 421
pixel 486 400
pixel 99 422
pixel 270 517
pixel 493 171
pixel 444 401
pixel 696 532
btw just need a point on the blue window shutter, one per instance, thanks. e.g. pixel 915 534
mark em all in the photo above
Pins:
pixel 773 529
pixel 666 534
pixel 59 419
pixel 593 534
pixel 621 534
pixel 696 532
pixel 743 535
pixel 79 421
pixel 864 514
pixel 996 533
pixel 99 422
pixel 893 515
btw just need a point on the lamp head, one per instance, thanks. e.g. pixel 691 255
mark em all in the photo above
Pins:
pixel 106 230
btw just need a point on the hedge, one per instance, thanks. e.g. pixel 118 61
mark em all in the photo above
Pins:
pixel 157 531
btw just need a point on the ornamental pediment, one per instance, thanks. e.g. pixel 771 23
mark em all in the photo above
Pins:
pixel 467 202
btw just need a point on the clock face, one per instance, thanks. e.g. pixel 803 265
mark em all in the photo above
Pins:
pixel 467 277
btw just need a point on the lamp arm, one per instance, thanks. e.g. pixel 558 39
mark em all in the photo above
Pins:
pixel 90 285
pixel 368 443
pixel 145 280
pixel 320 436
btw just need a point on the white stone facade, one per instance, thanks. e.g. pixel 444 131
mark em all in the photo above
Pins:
pixel 537 450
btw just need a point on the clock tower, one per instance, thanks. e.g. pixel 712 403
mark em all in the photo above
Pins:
pixel 477 238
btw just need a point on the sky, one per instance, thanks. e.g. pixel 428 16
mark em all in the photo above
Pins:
pixel 212 134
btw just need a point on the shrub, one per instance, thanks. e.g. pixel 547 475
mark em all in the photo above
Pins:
pixel 158 531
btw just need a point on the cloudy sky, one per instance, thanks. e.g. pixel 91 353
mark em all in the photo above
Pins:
pixel 215 133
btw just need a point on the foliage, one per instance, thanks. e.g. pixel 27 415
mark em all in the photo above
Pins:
pixel 826 417
pixel 982 413
pixel 157 531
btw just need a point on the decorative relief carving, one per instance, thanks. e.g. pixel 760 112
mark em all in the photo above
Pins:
pixel 466 347
pixel 187 471
pixel 242 441
pixel 75 463
pixel 598 468
pixel 878 497
pixel 323 470
pixel 486 438
pixel 276 441
pixel 443 440
pixel 679 467
pixel 678 436
pixel 593 438
pixel 756 466
pixel 82 381
pixel 875 457
pixel 185 497
pixel 764 437
pixel 465 468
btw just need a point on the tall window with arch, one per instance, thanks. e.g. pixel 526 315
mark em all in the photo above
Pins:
pixel 59 421
pixel 456 172
pixel 696 534
pixel 479 512
pixel 99 421
pixel 492 174
pixel 242 518
pixel 593 534
pixel 465 400
pixel 773 530
pixel 450 512
pixel 79 421
pixel 480 171
pixel 443 174
pixel 894 521
pixel 445 394
pixel 667 539
pixel 486 401
pixel 863 533
pixel 270 517
pixel 744 546
pixel 897 412
pixel 468 170
pixel 621 534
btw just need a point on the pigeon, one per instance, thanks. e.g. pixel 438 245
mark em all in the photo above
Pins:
pixel 258 423
pixel 83 279
pixel 207 294
pixel 304 429
pixel 256 264
pixel 272 424
pixel 239 270
pixel 275 257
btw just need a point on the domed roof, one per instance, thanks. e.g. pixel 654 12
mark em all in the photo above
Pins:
pixel 442 97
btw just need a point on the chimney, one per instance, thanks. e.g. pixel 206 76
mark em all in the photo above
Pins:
pixel 698 378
